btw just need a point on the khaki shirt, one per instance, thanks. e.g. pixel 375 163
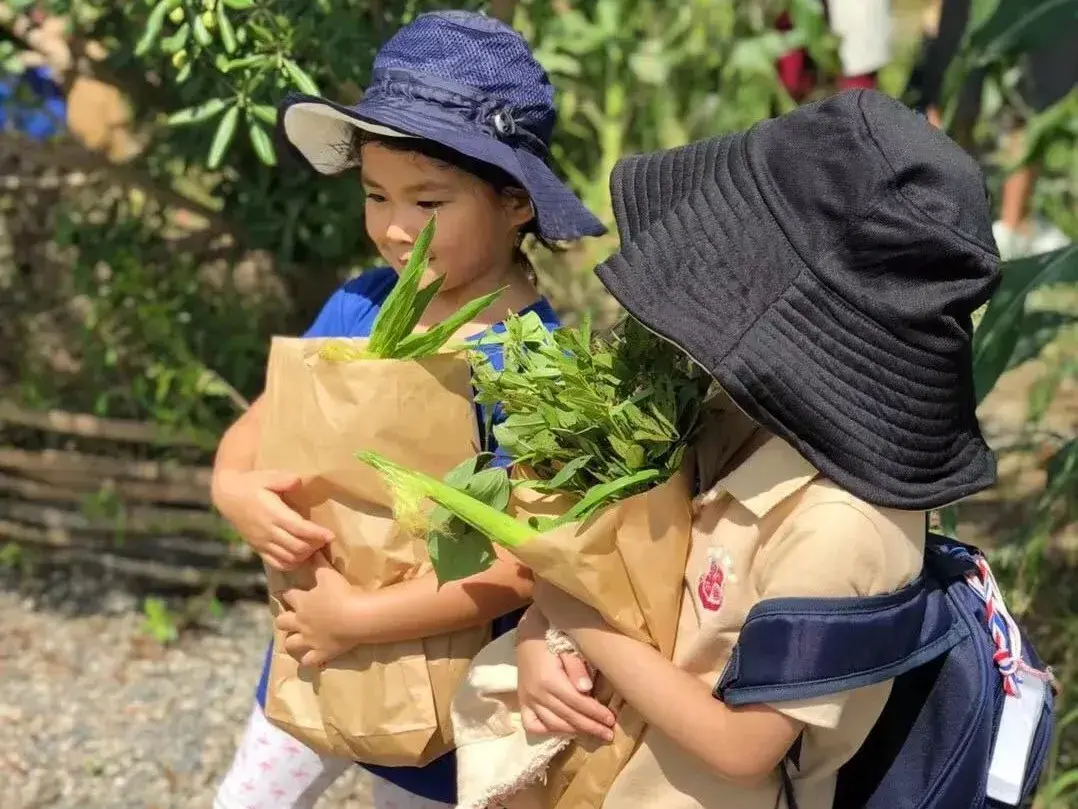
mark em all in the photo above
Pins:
pixel 776 528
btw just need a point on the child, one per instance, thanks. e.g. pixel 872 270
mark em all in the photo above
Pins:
pixel 833 306
pixel 456 122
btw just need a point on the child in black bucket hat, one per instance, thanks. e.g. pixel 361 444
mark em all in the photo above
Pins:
pixel 457 121
pixel 824 268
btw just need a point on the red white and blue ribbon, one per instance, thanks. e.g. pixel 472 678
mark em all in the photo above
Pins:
pixel 1005 633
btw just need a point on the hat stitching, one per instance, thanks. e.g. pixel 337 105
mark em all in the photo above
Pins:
pixel 820 394
pixel 892 464
pixel 911 204
pixel 821 335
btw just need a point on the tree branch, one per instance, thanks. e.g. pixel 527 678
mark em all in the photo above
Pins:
pixel 68 155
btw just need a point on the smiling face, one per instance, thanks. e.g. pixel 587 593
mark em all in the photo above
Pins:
pixel 478 224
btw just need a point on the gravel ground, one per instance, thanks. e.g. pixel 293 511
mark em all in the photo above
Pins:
pixel 95 714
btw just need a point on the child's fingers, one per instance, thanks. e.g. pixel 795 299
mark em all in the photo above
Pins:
pixel 576 721
pixel 552 722
pixel 289 546
pixel 530 721
pixel 583 704
pixel 284 517
pixel 577 671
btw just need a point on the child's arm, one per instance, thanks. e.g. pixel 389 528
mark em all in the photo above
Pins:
pixel 333 617
pixel 252 501
pixel 740 744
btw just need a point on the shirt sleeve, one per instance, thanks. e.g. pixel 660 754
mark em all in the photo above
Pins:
pixel 350 310
pixel 835 550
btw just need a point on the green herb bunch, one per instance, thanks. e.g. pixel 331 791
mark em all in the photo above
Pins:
pixel 599 417
pixel 585 410
pixel 392 334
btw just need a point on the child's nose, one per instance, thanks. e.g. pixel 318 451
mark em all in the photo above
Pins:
pixel 395 233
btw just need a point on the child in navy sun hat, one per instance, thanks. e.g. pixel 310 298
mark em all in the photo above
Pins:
pixel 456 122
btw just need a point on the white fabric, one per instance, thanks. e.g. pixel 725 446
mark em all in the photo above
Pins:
pixel 322 134
pixel 864 28
pixel 271 770
pixel 496 759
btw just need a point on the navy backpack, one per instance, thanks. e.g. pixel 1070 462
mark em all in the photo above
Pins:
pixel 969 719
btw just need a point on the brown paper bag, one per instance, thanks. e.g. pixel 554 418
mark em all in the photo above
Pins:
pixel 386 704
pixel 627 562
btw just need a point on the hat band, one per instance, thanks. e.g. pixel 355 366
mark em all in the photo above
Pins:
pixel 490 116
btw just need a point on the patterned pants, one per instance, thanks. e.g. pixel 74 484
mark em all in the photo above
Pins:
pixel 271 770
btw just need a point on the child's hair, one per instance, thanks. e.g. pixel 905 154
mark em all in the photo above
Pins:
pixel 500 180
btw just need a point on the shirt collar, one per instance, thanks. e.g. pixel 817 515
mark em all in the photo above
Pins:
pixel 768 476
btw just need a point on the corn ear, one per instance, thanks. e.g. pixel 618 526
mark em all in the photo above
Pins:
pixel 410 488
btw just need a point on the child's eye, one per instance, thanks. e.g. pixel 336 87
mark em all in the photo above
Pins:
pixel 429 205
pixel 373 197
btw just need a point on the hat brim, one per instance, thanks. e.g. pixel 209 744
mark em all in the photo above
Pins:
pixel 881 417
pixel 320 132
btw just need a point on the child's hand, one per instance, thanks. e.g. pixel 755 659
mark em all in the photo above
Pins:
pixel 554 690
pixel 320 626
pixel 252 502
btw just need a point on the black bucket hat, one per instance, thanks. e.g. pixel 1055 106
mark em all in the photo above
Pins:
pixel 462 80
pixel 824 267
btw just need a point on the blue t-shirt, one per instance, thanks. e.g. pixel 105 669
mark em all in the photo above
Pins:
pixel 350 312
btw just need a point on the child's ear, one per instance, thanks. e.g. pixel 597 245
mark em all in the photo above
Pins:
pixel 518 207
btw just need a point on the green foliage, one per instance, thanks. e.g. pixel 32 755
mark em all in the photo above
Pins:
pixel 584 410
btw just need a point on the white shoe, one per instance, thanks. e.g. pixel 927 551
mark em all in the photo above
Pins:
pixel 1046 237
pixel 1010 243
pixel 1042 237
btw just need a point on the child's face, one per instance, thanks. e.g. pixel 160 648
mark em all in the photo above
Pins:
pixel 477 225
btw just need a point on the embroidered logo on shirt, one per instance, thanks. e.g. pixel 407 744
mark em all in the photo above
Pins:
pixel 711 585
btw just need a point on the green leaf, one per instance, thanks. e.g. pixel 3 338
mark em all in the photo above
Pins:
pixel 490 486
pixel 564 475
pixel 224 25
pixel 266 113
pixel 998 333
pixel 599 496
pixel 239 5
pixel 257 60
pixel 459 554
pixel 202 35
pixel 261 142
pixel 391 324
pixel 431 341
pixel 153 25
pixel 197 114
pixel 304 82
pixel 223 137
pixel 1019 26
pixel 176 42
pixel 459 475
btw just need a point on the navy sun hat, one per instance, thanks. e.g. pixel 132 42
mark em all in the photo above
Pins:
pixel 824 267
pixel 462 80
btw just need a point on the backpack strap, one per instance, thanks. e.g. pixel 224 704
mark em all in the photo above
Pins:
pixel 802 648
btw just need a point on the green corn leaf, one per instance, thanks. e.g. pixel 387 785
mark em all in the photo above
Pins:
pixel 391 324
pixel 223 137
pixel 422 300
pixel 1000 330
pixel 598 497
pixel 432 341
